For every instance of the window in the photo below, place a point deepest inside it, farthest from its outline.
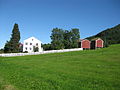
(36, 44)
(26, 48)
(30, 43)
(32, 39)
(30, 49)
(26, 43)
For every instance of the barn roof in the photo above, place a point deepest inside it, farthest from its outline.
(82, 40)
(96, 39)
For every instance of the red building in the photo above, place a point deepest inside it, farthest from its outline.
(97, 43)
(84, 43)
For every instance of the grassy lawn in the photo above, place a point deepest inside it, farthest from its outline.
(80, 70)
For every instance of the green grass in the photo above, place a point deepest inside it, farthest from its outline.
(80, 70)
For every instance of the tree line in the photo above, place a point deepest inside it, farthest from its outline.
(60, 39)
(63, 39)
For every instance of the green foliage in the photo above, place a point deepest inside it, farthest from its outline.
(110, 36)
(47, 46)
(7, 47)
(12, 46)
(64, 39)
(75, 37)
(67, 39)
(80, 70)
(35, 49)
(57, 38)
(1, 50)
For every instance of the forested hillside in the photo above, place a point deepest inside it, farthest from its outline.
(110, 36)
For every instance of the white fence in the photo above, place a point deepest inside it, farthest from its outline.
(36, 53)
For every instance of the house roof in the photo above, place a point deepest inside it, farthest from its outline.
(32, 38)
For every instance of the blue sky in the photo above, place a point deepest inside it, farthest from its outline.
(38, 17)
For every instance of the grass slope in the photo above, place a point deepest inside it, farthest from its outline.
(81, 70)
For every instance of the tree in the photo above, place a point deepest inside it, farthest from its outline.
(1, 50)
(13, 45)
(75, 37)
(47, 46)
(67, 39)
(7, 47)
(57, 39)
(64, 39)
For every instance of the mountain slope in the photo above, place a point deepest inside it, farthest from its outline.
(110, 36)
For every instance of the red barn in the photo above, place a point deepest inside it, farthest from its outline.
(84, 43)
(97, 43)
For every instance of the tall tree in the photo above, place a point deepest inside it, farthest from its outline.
(57, 39)
(67, 39)
(64, 39)
(13, 45)
(75, 37)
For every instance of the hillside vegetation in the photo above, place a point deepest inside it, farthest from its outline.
(80, 70)
(110, 36)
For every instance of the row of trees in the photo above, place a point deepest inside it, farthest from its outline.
(63, 39)
(12, 46)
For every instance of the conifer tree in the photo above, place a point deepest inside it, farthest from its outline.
(13, 45)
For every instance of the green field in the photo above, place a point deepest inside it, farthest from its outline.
(80, 70)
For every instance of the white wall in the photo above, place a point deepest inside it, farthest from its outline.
(29, 43)
(43, 52)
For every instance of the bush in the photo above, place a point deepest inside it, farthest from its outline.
(1, 50)
(25, 52)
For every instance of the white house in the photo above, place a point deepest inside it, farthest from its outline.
(32, 45)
